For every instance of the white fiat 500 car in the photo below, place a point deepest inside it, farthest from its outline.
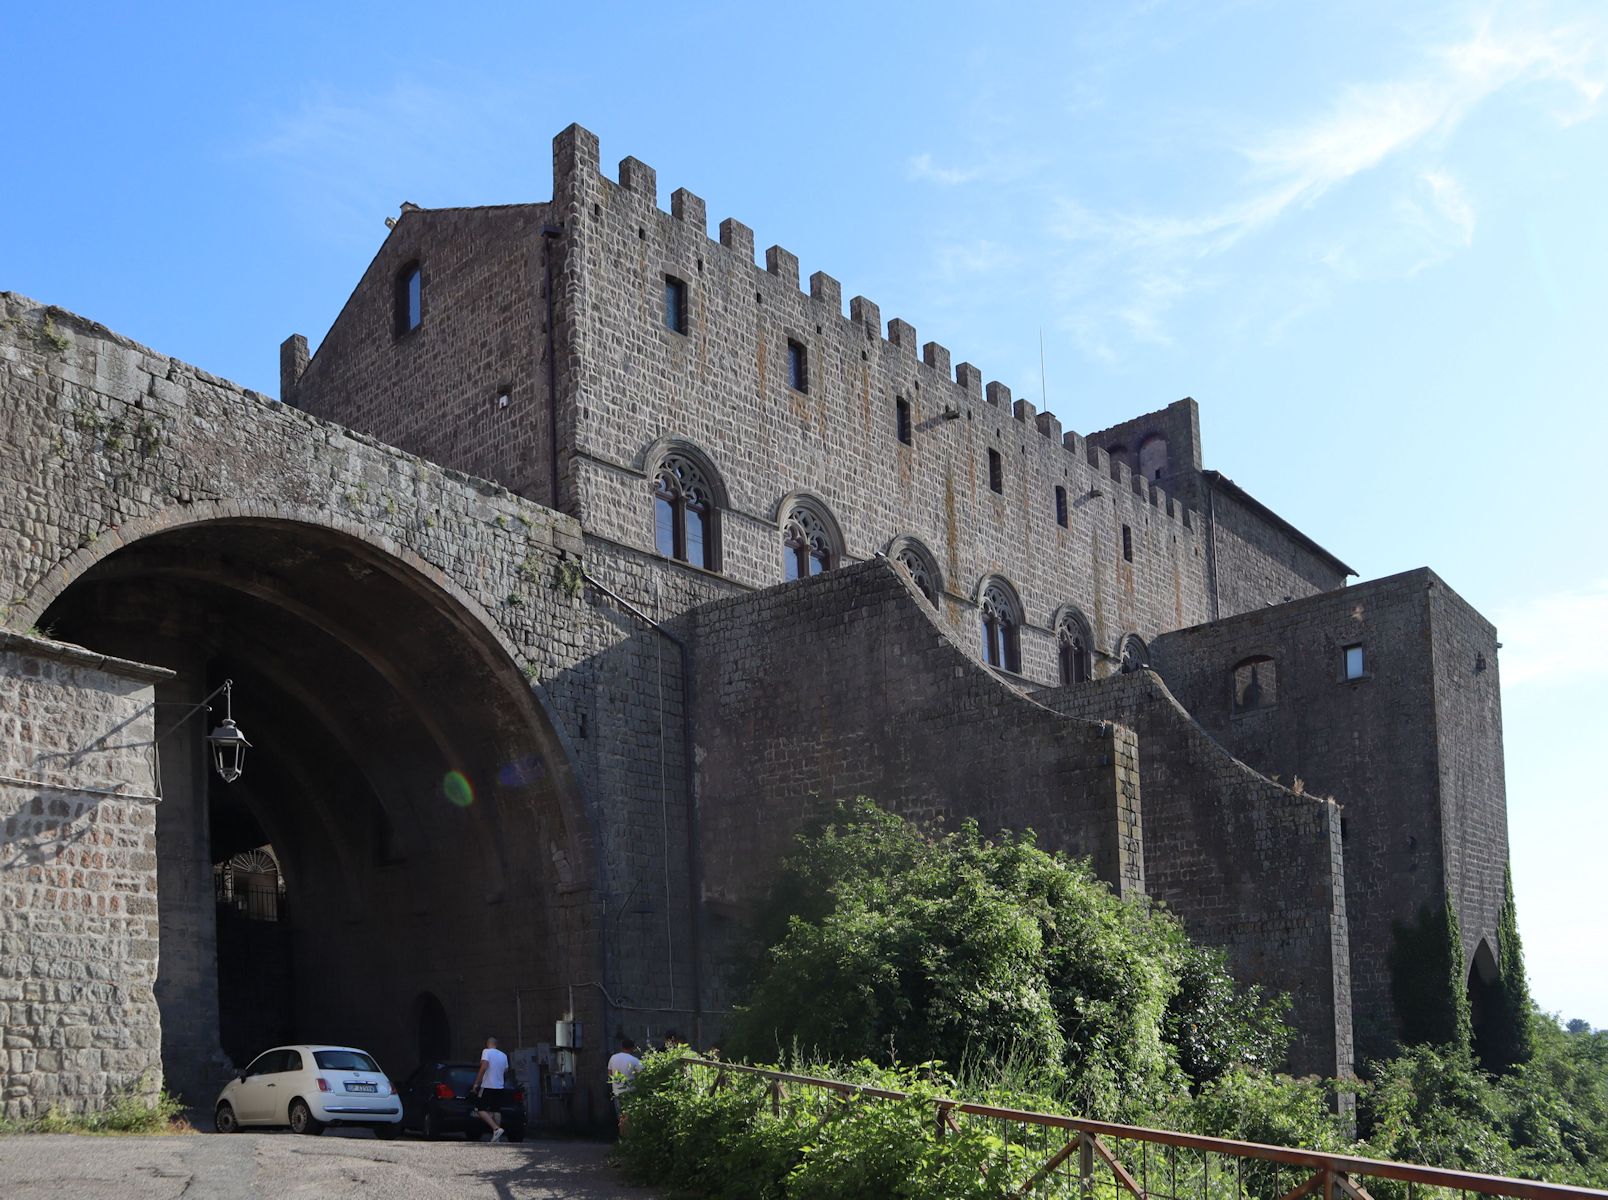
(309, 1088)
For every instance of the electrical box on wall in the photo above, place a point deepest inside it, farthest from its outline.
(567, 1035)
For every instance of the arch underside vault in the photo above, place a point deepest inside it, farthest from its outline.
(418, 801)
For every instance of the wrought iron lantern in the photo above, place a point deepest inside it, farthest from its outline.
(229, 745)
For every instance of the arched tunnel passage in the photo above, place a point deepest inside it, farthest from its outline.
(415, 796)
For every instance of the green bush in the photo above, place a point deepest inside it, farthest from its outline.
(885, 941)
(1217, 1026)
(730, 1141)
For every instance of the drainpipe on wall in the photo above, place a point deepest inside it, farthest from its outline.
(550, 234)
(694, 840)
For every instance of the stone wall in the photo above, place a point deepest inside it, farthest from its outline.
(1132, 555)
(843, 685)
(1256, 561)
(1411, 750)
(629, 382)
(1171, 436)
(1247, 864)
(468, 387)
(113, 450)
(1253, 557)
(1468, 751)
(78, 889)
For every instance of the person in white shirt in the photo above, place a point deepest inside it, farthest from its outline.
(488, 1088)
(623, 1064)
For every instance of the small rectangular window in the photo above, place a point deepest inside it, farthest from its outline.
(901, 413)
(1127, 543)
(1060, 506)
(798, 366)
(675, 304)
(996, 472)
(409, 299)
(1354, 662)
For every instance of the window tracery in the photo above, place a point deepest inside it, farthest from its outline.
(1002, 638)
(807, 544)
(1074, 646)
(684, 511)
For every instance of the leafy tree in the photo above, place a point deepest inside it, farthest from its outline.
(1432, 1105)
(1217, 1026)
(886, 941)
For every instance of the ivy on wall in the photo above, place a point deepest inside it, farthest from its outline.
(1507, 1039)
(1426, 979)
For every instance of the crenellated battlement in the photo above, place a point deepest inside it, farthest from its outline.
(777, 282)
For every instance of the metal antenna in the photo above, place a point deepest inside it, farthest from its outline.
(1044, 389)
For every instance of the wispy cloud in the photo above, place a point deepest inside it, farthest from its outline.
(1453, 204)
(349, 156)
(1152, 261)
(1552, 638)
(922, 167)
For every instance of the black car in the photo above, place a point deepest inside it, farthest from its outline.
(436, 1101)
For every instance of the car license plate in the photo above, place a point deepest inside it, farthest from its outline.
(360, 1087)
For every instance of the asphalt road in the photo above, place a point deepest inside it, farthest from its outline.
(282, 1166)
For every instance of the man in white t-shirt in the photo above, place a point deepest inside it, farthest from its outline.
(488, 1088)
(623, 1064)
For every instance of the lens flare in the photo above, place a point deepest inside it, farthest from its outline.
(522, 772)
(458, 790)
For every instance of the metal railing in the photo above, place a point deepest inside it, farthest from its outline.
(255, 902)
(1073, 1157)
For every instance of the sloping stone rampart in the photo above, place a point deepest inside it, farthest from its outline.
(1247, 864)
(845, 685)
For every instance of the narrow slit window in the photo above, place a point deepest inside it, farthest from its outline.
(1060, 506)
(675, 304)
(996, 472)
(798, 366)
(1127, 543)
(901, 416)
(409, 299)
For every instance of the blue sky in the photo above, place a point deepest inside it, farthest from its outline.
(1369, 238)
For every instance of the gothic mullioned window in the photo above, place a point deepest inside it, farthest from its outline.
(684, 512)
(1074, 648)
(1002, 629)
(1133, 652)
(917, 562)
(807, 544)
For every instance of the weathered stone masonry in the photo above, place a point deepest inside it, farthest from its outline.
(78, 888)
(512, 754)
(1249, 865)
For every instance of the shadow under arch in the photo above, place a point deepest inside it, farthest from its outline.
(434, 834)
(1485, 1006)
